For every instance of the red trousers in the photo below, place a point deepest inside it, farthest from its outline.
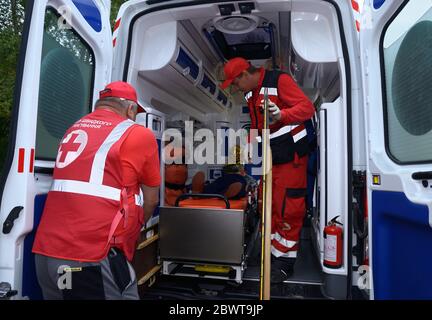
(288, 206)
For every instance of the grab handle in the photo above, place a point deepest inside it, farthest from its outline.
(422, 175)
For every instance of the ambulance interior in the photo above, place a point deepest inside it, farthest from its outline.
(175, 59)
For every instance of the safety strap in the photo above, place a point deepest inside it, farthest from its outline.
(123, 211)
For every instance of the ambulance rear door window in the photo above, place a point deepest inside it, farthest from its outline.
(407, 52)
(66, 84)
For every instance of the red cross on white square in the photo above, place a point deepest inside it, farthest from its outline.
(71, 147)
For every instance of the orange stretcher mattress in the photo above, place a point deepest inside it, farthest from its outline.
(212, 203)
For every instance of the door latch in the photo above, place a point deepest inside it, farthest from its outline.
(10, 220)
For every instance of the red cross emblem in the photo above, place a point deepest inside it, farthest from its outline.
(71, 147)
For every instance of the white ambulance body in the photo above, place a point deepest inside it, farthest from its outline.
(371, 90)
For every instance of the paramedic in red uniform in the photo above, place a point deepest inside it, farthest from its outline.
(105, 187)
(289, 109)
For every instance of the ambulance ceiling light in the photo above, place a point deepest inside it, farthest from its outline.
(236, 24)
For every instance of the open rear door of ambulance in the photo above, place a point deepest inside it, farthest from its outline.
(396, 51)
(66, 58)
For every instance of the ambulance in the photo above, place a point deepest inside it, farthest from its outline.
(365, 65)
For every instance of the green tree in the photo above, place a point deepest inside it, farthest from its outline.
(115, 6)
(11, 23)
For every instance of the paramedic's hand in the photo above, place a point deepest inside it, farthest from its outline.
(274, 110)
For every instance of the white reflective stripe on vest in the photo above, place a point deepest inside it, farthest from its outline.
(278, 254)
(271, 91)
(98, 167)
(300, 135)
(248, 95)
(89, 189)
(284, 242)
(282, 131)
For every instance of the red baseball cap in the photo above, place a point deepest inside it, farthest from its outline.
(232, 69)
(122, 90)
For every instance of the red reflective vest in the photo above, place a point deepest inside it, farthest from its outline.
(87, 209)
(286, 141)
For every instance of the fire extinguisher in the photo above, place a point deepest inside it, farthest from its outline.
(333, 252)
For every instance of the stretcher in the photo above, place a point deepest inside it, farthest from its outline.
(205, 235)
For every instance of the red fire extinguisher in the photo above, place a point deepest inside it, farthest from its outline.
(333, 252)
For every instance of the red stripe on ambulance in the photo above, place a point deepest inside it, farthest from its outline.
(116, 26)
(32, 153)
(355, 5)
(21, 154)
(357, 13)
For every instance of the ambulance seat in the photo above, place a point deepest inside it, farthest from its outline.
(175, 179)
(176, 174)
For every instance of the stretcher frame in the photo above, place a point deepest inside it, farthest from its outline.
(178, 265)
(171, 267)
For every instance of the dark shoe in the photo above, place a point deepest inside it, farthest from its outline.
(281, 269)
(279, 276)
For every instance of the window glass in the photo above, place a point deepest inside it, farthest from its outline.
(407, 51)
(66, 84)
